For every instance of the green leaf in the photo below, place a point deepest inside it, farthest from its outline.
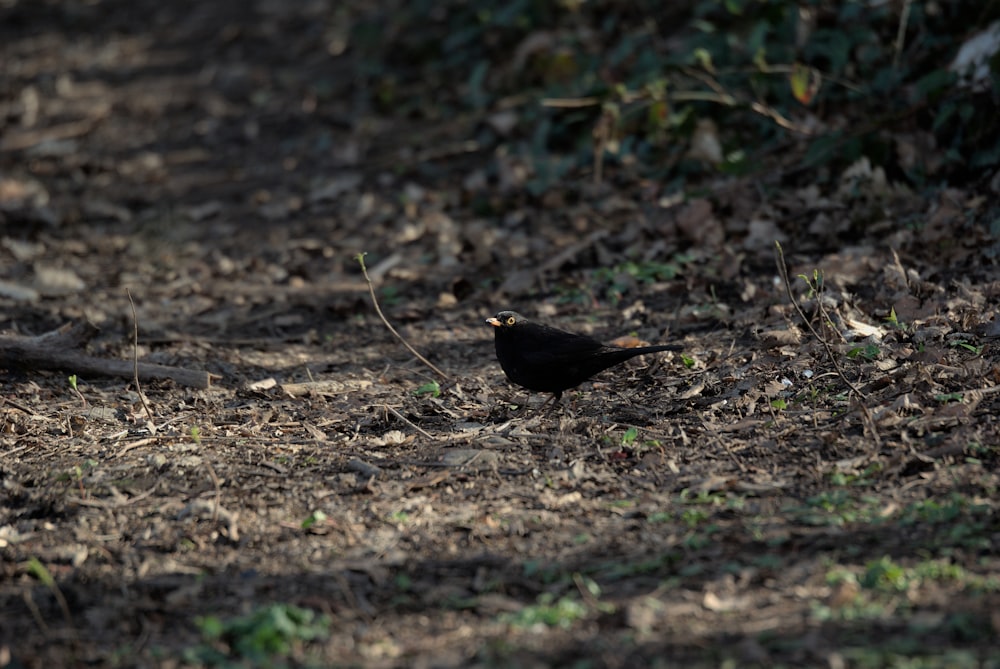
(804, 82)
(968, 347)
(704, 58)
(431, 387)
(313, 518)
(41, 572)
(869, 352)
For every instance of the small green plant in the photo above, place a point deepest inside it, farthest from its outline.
(548, 611)
(693, 517)
(432, 388)
(971, 348)
(687, 360)
(868, 352)
(258, 638)
(838, 507)
(41, 572)
(403, 582)
(196, 434)
(935, 511)
(73, 384)
(863, 478)
(616, 280)
(314, 518)
(702, 538)
(651, 272)
(648, 445)
(814, 283)
(980, 450)
(628, 439)
(705, 497)
(892, 320)
(398, 517)
(77, 474)
(885, 575)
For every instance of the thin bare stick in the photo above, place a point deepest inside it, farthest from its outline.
(868, 421)
(14, 404)
(371, 289)
(41, 572)
(779, 259)
(410, 423)
(135, 361)
(59, 349)
(35, 612)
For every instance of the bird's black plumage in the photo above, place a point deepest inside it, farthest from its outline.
(546, 359)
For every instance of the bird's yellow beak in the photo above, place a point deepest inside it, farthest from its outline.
(494, 322)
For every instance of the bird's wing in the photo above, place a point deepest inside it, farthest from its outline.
(552, 346)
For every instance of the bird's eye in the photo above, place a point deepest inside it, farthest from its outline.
(510, 320)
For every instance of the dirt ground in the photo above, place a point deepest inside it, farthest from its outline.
(771, 496)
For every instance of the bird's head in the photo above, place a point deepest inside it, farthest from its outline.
(506, 319)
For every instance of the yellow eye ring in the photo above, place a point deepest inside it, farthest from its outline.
(510, 320)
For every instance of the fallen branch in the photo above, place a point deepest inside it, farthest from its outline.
(59, 350)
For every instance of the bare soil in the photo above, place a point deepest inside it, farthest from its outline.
(774, 496)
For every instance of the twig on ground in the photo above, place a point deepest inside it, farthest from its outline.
(371, 289)
(410, 423)
(871, 426)
(783, 273)
(135, 362)
(729, 451)
(41, 572)
(58, 350)
(21, 407)
(76, 389)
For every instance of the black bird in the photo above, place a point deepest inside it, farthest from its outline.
(548, 360)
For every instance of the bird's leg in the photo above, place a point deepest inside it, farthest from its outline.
(554, 400)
